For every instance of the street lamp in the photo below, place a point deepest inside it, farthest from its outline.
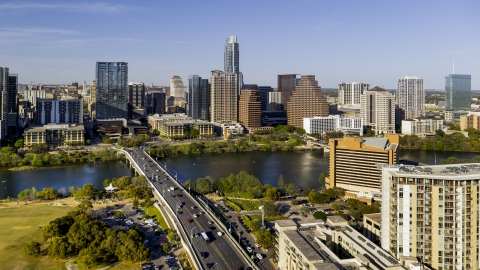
(191, 232)
(263, 215)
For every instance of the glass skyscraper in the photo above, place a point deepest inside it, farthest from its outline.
(198, 98)
(111, 90)
(458, 92)
(232, 55)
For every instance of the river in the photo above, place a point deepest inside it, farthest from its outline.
(300, 167)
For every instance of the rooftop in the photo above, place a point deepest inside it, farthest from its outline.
(377, 217)
(470, 171)
(336, 219)
(303, 246)
(325, 266)
(285, 223)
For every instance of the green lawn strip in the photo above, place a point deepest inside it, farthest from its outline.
(247, 204)
(184, 262)
(157, 216)
(20, 225)
(267, 218)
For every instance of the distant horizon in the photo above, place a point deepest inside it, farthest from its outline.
(350, 41)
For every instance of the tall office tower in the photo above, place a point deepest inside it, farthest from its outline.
(286, 84)
(3, 102)
(111, 90)
(458, 92)
(411, 97)
(32, 95)
(198, 98)
(155, 102)
(353, 161)
(231, 56)
(432, 213)
(223, 96)
(377, 109)
(136, 97)
(12, 102)
(349, 93)
(250, 108)
(264, 91)
(68, 111)
(275, 101)
(306, 101)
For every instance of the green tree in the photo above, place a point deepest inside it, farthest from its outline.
(204, 185)
(19, 143)
(32, 248)
(265, 238)
(85, 206)
(135, 203)
(48, 193)
(270, 209)
(106, 140)
(60, 248)
(281, 182)
(106, 182)
(320, 215)
(322, 178)
(272, 194)
(336, 206)
(24, 195)
(292, 189)
(165, 248)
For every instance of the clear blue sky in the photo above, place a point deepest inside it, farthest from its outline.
(337, 41)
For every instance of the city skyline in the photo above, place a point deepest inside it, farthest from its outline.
(320, 42)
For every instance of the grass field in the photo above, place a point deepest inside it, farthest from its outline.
(248, 204)
(20, 225)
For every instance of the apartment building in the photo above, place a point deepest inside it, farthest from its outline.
(250, 108)
(421, 126)
(59, 111)
(306, 101)
(432, 213)
(349, 93)
(372, 224)
(377, 109)
(320, 125)
(470, 120)
(353, 161)
(223, 96)
(55, 135)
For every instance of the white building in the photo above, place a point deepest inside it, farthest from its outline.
(411, 97)
(32, 95)
(320, 125)
(349, 93)
(421, 126)
(377, 110)
(59, 111)
(177, 91)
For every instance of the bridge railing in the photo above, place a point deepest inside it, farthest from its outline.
(183, 235)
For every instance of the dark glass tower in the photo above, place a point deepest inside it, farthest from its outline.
(198, 98)
(458, 92)
(232, 55)
(111, 90)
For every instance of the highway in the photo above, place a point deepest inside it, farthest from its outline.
(220, 252)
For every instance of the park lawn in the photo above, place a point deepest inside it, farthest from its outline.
(21, 224)
(125, 266)
(267, 218)
(248, 204)
(155, 213)
(235, 194)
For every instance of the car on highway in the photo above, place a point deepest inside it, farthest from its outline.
(219, 233)
(195, 215)
(259, 256)
(168, 257)
(172, 188)
(210, 222)
(189, 220)
(249, 249)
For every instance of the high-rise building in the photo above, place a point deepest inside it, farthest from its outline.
(32, 95)
(286, 85)
(12, 101)
(3, 102)
(319, 125)
(231, 56)
(68, 111)
(349, 93)
(377, 109)
(223, 96)
(306, 101)
(411, 97)
(249, 108)
(111, 96)
(264, 91)
(275, 101)
(353, 161)
(198, 98)
(136, 98)
(471, 120)
(432, 213)
(458, 92)
(155, 101)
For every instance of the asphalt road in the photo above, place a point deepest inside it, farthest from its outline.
(222, 254)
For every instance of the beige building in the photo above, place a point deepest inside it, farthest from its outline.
(313, 245)
(421, 126)
(175, 125)
(306, 101)
(223, 96)
(471, 120)
(432, 212)
(377, 109)
(353, 161)
(250, 108)
(55, 135)
(371, 227)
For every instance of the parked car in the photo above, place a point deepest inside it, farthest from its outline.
(258, 245)
(189, 220)
(209, 222)
(259, 256)
(249, 249)
(195, 215)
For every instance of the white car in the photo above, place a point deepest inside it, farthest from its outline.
(193, 207)
(219, 233)
(258, 245)
(259, 256)
(249, 249)
(209, 222)
(195, 215)
(172, 188)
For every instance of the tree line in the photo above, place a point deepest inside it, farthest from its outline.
(444, 142)
(92, 241)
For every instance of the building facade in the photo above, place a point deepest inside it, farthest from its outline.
(264, 93)
(320, 125)
(155, 101)
(59, 111)
(458, 92)
(250, 108)
(32, 95)
(198, 98)
(286, 84)
(306, 101)
(55, 135)
(223, 96)
(377, 109)
(421, 126)
(431, 213)
(411, 97)
(353, 161)
(275, 101)
(349, 93)
(111, 91)
(471, 120)
(136, 98)
(231, 56)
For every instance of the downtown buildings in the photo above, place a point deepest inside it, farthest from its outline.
(377, 110)
(411, 97)
(458, 92)
(349, 93)
(198, 98)
(8, 103)
(111, 91)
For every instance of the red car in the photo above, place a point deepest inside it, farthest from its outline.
(238, 217)
(189, 220)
